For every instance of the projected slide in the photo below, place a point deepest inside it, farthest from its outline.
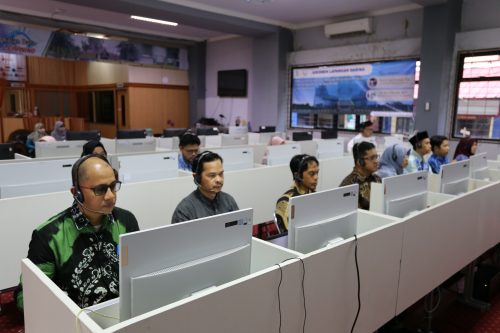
(354, 89)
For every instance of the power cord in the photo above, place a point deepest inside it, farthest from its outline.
(77, 327)
(359, 282)
(303, 292)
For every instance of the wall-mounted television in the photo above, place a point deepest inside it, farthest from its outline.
(232, 83)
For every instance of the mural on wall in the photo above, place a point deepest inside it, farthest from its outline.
(65, 45)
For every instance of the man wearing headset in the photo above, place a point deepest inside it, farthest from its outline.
(189, 144)
(78, 248)
(305, 171)
(421, 147)
(208, 199)
(365, 165)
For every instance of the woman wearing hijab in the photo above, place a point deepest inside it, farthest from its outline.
(465, 149)
(36, 135)
(59, 132)
(94, 147)
(393, 161)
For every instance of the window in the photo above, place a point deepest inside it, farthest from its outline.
(477, 102)
(343, 96)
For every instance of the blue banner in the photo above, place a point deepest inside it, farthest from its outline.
(354, 89)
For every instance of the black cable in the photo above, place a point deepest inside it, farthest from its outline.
(303, 292)
(359, 282)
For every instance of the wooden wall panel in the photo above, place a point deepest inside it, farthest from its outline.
(48, 71)
(155, 107)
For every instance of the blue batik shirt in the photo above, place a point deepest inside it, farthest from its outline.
(436, 161)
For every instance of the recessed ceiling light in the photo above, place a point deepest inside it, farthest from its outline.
(152, 20)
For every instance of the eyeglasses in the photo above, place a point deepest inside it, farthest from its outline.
(372, 158)
(101, 189)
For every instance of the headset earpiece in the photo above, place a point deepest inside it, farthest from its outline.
(361, 162)
(418, 144)
(197, 171)
(78, 195)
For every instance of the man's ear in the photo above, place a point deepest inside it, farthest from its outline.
(72, 190)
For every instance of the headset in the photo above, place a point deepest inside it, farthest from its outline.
(355, 150)
(78, 195)
(303, 163)
(196, 165)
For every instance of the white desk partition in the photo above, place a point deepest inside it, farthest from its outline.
(109, 145)
(309, 147)
(124, 146)
(219, 310)
(238, 130)
(21, 157)
(445, 238)
(212, 141)
(171, 143)
(236, 158)
(145, 167)
(330, 148)
(59, 148)
(263, 138)
(333, 170)
(234, 139)
(282, 154)
(494, 164)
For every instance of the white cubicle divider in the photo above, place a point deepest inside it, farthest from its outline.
(236, 158)
(21, 157)
(234, 139)
(146, 166)
(454, 178)
(494, 164)
(17, 158)
(238, 130)
(332, 171)
(215, 310)
(35, 177)
(309, 147)
(282, 154)
(212, 141)
(330, 148)
(479, 166)
(445, 238)
(171, 143)
(59, 148)
(109, 145)
(124, 146)
(263, 138)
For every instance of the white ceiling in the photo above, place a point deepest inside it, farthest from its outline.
(205, 19)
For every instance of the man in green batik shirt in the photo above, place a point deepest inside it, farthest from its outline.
(78, 248)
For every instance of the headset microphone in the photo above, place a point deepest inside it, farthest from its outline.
(86, 208)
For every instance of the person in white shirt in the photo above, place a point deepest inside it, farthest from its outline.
(365, 135)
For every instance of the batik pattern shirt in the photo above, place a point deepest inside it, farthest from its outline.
(281, 212)
(364, 186)
(436, 161)
(81, 260)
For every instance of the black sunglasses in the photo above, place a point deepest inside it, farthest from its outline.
(101, 189)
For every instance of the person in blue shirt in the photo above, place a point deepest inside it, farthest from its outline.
(421, 146)
(393, 161)
(189, 145)
(440, 147)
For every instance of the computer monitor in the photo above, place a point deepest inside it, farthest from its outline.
(131, 134)
(173, 132)
(479, 166)
(7, 151)
(322, 218)
(267, 129)
(207, 131)
(163, 265)
(405, 194)
(455, 177)
(329, 134)
(302, 136)
(83, 135)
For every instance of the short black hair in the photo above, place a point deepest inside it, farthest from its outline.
(365, 124)
(89, 147)
(300, 163)
(188, 138)
(202, 158)
(359, 150)
(437, 140)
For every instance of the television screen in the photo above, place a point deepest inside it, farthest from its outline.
(232, 83)
(366, 88)
(302, 136)
(83, 135)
